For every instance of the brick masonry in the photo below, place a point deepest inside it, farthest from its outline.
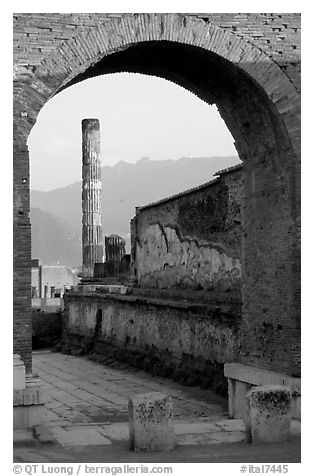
(249, 66)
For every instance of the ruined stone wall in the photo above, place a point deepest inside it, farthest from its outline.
(192, 240)
(249, 66)
(188, 342)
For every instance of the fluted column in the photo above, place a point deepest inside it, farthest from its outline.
(92, 240)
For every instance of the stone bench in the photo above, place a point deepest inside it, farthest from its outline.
(268, 414)
(151, 422)
(241, 378)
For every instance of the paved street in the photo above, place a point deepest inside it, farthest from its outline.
(87, 412)
(82, 391)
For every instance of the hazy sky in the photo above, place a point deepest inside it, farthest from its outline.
(139, 116)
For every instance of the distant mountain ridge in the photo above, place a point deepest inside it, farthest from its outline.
(54, 241)
(124, 187)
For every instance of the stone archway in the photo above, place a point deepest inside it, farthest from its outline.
(260, 105)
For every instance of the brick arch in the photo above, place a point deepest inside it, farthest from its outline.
(74, 56)
(261, 109)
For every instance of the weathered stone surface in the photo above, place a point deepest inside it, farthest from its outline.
(42, 434)
(23, 436)
(92, 239)
(259, 376)
(27, 416)
(79, 436)
(115, 289)
(184, 340)
(29, 403)
(242, 377)
(191, 240)
(18, 373)
(268, 418)
(150, 422)
(231, 425)
(28, 396)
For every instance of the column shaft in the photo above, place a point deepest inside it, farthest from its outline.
(92, 240)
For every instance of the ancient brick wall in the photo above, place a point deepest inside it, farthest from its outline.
(249, 66)
(278, 34)
(188, 342)
(22, 327)
(192, 240)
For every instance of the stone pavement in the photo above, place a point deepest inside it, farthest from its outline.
(87, 411)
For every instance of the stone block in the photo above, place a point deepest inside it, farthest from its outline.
(268, 415)
(27, 416)
(33, 394)
(43, 435)
(151, 422)
(23, 436)
(28, 404)
(231, 397)
(239, 406)
(119, 289)
(18, 397)
(35, 415)
(296, 406)
(18, 372)
(20, 420)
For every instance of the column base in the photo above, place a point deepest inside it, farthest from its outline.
(29, 401)
(241, 378)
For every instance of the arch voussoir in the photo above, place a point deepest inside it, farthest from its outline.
(80, 49)
(75, 55)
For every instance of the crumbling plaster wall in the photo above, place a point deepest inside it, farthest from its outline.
(169, 336)
(191, 240)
